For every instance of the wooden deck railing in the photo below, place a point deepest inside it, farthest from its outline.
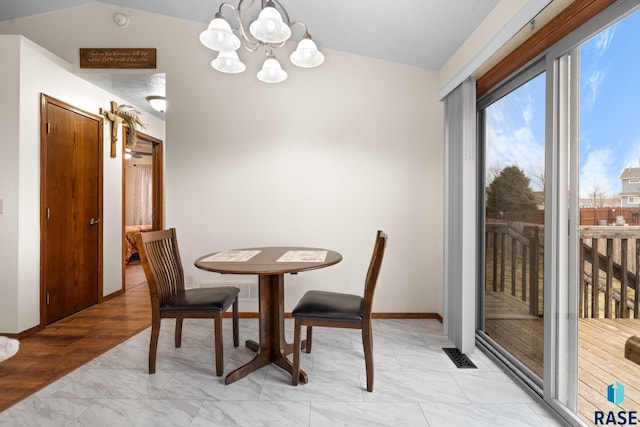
(616, 269)
(515, 259)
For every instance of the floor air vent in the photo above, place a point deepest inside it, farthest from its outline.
(459, 359)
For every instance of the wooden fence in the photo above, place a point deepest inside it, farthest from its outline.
(588, 216)
(609, 216)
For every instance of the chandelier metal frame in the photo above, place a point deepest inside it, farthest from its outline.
(220, 36)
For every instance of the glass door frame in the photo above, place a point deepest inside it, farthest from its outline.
(558, 389)
(523, 372)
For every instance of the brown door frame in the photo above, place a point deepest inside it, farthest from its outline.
(157, 170)
(45, 100)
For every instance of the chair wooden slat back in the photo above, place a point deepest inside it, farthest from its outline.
(160, 258)
(374, 271)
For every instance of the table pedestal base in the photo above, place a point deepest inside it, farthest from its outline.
(272, 347)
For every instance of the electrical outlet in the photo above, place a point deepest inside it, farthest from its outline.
(1, 206)
(191, 281)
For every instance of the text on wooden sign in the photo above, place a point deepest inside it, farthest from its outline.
(118, 58)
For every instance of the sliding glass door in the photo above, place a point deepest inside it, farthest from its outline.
(513, 184)
(559, 184)
(609, 220)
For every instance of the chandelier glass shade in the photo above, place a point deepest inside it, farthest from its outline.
(228, 62)
(307, 54)
(269, 27)
(218, 36)
(271, 71)
(270, 30)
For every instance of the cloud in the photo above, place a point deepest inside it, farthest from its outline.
(511, 138)
(527, 112)
(594, 76)
(602, 41)
(632, 155)
(591, 83)
(597, 173)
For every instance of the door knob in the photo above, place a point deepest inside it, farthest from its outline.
(94, 221)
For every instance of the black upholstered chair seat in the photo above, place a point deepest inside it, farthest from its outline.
(160, 258)
(335, 310)
(214, 299)
(329, 306)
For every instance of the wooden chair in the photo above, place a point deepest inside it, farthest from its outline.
(330, 309)
(169, 299)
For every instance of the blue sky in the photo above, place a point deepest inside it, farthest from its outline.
(609, 114)
(515, 132)
(610, 106)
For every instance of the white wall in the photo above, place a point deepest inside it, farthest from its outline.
(324, 159)
(39, 71)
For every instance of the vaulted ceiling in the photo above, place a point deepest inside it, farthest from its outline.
(421, 33)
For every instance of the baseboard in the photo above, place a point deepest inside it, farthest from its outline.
(111, 296)
(407, 316)
(23, 334)
(254, 315)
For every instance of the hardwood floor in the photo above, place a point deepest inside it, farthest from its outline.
(75, 340)
(601, 358)
(602, 362)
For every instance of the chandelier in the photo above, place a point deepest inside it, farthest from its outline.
(269, 31)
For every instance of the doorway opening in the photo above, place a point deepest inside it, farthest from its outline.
(142, 199)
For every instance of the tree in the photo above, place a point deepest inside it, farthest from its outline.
(597, 195)
(537, 179)
(510, 191)
(493, 171)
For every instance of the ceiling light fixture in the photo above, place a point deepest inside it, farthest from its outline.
(158, 103)
(268, 31)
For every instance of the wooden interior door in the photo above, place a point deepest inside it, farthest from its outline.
(71, 196)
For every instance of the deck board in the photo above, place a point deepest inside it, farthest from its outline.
(601, 353)
(602, 361)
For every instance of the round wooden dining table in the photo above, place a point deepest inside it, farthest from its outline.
(270, 264)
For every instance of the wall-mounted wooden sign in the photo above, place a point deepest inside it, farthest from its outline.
(118, 58)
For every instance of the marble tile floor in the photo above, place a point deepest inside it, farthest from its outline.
(416, 384)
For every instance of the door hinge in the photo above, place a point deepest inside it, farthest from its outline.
(48, 127)
(47, 298)
(48, 213)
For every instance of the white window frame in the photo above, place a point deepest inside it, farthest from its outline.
(633, 200)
